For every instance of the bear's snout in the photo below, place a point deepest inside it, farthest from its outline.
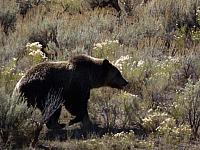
(125, 83)
(122, 83)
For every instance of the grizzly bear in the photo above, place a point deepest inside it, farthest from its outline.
(73, 80)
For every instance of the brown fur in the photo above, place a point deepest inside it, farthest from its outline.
(75, 77)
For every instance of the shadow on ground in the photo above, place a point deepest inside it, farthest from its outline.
(80, 133)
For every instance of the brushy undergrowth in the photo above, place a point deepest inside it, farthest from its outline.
(16, 125)
(154, 43)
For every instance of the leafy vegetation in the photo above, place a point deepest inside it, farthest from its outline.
(154, 43)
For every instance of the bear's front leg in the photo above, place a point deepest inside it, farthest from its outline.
(77, 105)
(53, 121)
(84, 119)
(79, 111)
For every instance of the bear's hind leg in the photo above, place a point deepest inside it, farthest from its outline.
(53, 121)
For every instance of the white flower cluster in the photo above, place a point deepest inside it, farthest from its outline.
(166, 125)
(169, 126)
(124, 134)
(153, 120)
(106, 42)
(155, 115)
(33, 46)
(37, 52)
(119, 63)
(140, 63)
(122, 59)
(131, 95)
(35, 49)
(173, 59)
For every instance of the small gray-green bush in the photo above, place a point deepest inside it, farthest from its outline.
(14, 118)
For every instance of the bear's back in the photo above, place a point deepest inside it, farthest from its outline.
(45, 73)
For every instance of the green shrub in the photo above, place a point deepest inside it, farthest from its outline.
(115, 109)
(8, 11)
(107, 49)
(173, 133)
(79, 33)
(15, 121)
(35, 54)
(72, 6)
(145, 46)
(187, 104)
(9, 76)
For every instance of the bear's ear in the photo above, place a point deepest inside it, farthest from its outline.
(105, 62)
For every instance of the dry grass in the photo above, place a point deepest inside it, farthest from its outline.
(159, 40)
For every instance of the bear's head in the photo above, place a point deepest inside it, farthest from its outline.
(113, 77)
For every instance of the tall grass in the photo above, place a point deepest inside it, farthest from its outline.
(155, 46)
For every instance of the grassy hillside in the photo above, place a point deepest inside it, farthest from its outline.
(154, 43)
